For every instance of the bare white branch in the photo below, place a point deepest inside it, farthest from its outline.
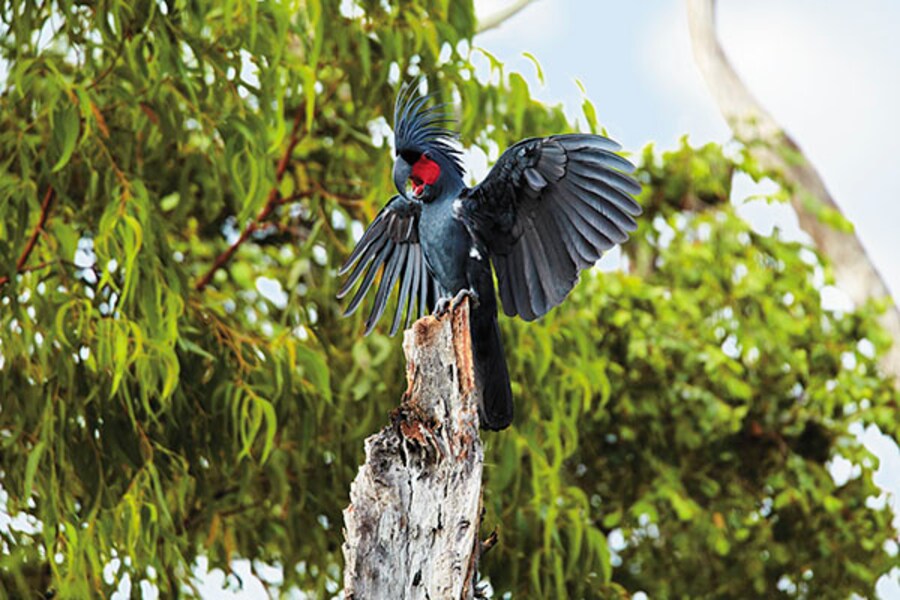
(502, 15)
(776, 152)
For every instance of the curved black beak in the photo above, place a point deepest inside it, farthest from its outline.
(402, 171)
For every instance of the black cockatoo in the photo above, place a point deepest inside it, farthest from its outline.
(547, 209)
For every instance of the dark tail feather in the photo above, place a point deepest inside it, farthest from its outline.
(496, 410)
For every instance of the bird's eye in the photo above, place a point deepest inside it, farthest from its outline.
(410, 157)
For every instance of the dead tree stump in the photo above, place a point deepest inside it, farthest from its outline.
(411, 530)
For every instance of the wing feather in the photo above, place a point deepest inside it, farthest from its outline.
(548, 209)
(367, 281)
(579, 248)
(565, 273)
(537, 302)
(424, 286)
(371, 252)
(369, 237)
(612, 178)
(389, 247)
(519, 280)
(507, 300)
(410, 295)
(388, 281)
(605, 159)
(586, 141)
(551, 279)
(592, 216)
(613, 196)
(598, 243)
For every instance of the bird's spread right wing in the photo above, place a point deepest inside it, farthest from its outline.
(391, 245)
(549, 208)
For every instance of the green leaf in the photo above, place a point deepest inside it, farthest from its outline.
(537, 66)
(612, 520)
(169, 201)
(315, 369)
(34, 459)
(270, 421)
(598, 543)
(66, 126)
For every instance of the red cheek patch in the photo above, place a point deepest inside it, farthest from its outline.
(426, 170)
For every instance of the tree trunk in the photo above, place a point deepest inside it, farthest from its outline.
(776, 152)
(411, 530)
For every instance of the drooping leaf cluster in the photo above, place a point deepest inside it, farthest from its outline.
(688, 408)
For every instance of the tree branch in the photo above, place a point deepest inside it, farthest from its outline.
(411, 530)
(775, 151)
(501, 16)
(272, 201)
(29, 246)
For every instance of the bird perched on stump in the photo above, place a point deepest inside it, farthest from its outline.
(549, 208)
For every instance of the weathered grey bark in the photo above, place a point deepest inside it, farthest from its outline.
(411, 530)
(776, 152)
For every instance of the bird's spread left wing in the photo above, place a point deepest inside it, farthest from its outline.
(391, 242)
(549, 208)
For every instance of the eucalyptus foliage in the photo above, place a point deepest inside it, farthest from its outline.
(686, 409)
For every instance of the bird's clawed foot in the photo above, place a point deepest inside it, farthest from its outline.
(469, 293)
(441, 307)
(446, 304)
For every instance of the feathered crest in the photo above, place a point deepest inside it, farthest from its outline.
(421, 129)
